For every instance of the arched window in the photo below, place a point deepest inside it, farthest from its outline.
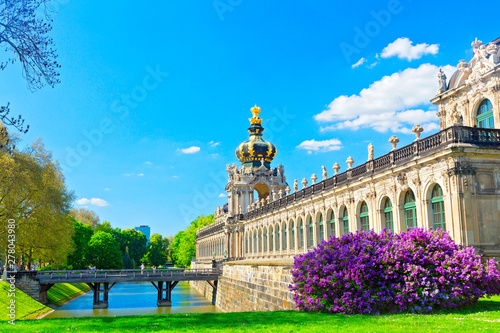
(271, 239)
(265, 240)
(311, 232)
(485, 115)
(345, 221)
(285, 240)
(388, 214)
(321, 228)
(437, 203)
(260, 241)
(292, 235)
(363, 217)
(301, 234)
(277, 237)
(331, 218)
(254, 250)
(410, 210)
(246, 244)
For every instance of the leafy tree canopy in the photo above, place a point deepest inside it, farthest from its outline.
(81, 238)
(103, 251)
(157, 250)
(33, 193)
(85, 216)
(183, 246)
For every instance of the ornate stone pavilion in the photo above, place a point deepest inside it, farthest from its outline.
(449, 180)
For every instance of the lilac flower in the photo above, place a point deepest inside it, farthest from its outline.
(416, 271)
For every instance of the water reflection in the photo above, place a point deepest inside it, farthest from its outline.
(138, 298)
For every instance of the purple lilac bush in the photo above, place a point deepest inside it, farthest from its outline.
(415, 271)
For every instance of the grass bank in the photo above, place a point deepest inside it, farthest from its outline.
(484, 316)
(61, 293)
(25, 306)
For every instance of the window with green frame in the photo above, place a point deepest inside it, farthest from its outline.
(271, 239)
(292, 235)
(437, 203)
(277, 238)
(332, 224)
(485, 115)
(363, 217)
(260, 241)
(265, 241)
(410, 210)
(389, 225)
(345, 221)
(301, 234)
(321, 228)
(310, 243)
(285, 240)
(254, 242)
(246, 244)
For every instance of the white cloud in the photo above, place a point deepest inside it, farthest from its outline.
(359, 63)
(214, 155)
(320, 146)
(389, 103)
(106, 189)
(213, 143)
(373, 65)
(403, 48)
(128, 174)
(222, 195)
(148, 163)
(401, 122)
(175, 177)
(190, 150)
(140, 175)
(94, 201)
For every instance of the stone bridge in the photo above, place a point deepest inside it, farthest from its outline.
(36, 284)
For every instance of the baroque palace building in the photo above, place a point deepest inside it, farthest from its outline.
(449, 180)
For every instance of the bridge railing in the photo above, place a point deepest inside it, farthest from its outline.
(124, 273)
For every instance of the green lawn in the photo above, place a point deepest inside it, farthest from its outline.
(26, 307)
(60, 293)
(484, 316)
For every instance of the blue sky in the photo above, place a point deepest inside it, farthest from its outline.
(155, 96)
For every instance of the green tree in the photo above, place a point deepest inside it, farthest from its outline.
(104, 252)
(127, 262)
(81, 238)
(85, 216)
(33, 194)
(175, 248)
(105, 226)
(183, 247)
(157, 250)
(134, 240)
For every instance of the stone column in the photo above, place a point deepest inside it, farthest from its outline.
(338, 225)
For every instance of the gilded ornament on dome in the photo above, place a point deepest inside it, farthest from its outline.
(270, 150)
(255, 119)
(250, 148)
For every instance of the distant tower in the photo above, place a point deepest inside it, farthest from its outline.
(256, 173)
(145, 229)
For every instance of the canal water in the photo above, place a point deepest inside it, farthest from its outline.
(136, 298)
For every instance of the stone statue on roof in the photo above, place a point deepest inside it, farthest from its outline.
(441, 81)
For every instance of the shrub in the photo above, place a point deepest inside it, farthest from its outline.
(415, 271)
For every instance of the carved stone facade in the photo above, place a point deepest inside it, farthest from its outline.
(449, 180)
(470, 85)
